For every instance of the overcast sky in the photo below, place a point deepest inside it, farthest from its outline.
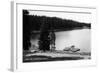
(81, 17)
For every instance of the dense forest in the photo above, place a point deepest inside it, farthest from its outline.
(44, 24)
(34, 22)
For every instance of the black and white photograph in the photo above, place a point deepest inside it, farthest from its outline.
(50, 35)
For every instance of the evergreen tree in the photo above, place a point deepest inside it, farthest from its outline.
(44, 43)
(26, 30)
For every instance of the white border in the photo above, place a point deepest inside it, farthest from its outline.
(18, 65)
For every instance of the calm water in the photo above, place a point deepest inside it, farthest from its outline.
(80, 38)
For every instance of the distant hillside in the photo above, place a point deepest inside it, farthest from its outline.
(34, 22)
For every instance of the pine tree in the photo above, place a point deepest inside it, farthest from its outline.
(44, 43)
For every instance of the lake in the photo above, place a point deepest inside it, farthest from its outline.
(81, 38)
